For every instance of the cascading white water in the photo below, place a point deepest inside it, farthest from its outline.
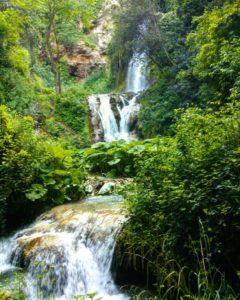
(68, 251)
(101, 107)
(136, 80)
(129, 107)
(5, 252)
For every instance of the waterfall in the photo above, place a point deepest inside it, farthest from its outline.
(102, 107)
(113, 118)
(136, 75)
(129, 107)
(68, 251)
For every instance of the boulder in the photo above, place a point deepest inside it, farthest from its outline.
(107, 188)
(89, 188)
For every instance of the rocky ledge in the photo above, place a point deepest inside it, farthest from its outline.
(85, 58)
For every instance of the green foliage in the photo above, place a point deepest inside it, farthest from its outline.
(158, 106)
(5, 295)
(189, 178)
(100, 81)
(71, 109)
(114, 159)
(184, 203)
(36, 36)
(216, 43)
(14, 62)
(12, 53)
(55, 26)
(198, 72)
(130, 15)
(90, 40)
(11, 286)
(16, 90)
(35, 172)
(88, 296)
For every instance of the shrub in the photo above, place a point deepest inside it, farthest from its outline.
(71, 109)
(100, 81)
(190, 178)
(35, 172)
(114, 159)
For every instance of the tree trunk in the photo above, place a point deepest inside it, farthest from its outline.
(53, 60)
(54, 66)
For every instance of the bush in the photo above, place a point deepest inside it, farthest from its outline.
(114, 159)
(157, 110)
(16, 90)
(35, 172)
(185, 180)
(100, 81)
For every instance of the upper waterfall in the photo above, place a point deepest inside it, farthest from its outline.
(136, 80)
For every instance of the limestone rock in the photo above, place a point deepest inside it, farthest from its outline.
(29, 246)
(89, 188)
(107, 188)
(83, 59)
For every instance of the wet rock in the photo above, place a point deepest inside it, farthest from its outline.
(133, 121)
(107, 188)
(95, 120)
(43, 256)
(75, 247)
(114, 101)
(97, 182)
(89, 189)
(28, 247)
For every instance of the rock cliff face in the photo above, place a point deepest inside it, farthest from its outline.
(83, 59)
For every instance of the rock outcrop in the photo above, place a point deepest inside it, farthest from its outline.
(85, 58)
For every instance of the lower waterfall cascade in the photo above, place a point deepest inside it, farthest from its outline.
(68, 251)
(114, 117)
(112, 121)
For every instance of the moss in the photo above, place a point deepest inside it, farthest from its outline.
(5, 295)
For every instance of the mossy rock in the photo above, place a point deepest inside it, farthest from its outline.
(5, 295)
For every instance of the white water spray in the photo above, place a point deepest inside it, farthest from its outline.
(137, 81)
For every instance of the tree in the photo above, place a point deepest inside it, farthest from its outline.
(215, 44)
(54, 23)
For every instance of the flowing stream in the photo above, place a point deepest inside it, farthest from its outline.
(113, 118)
(68, 251)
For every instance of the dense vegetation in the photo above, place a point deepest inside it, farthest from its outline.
(182, 236)
(38, 164)
(193, 49)
(183, 228)
(185, 208)
(36, 171)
